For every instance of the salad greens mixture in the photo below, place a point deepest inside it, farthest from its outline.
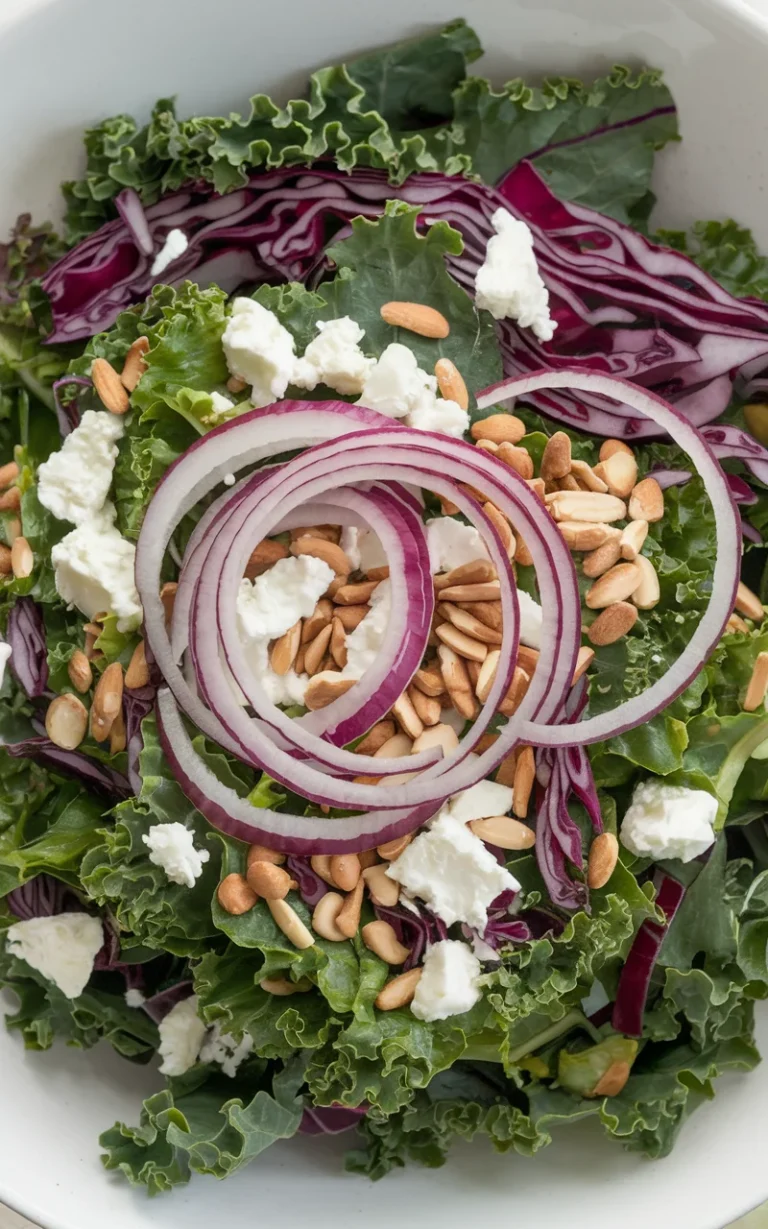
(357, 291)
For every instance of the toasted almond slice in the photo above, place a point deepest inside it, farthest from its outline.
(648, 591)
(407, 717)
(499, 428)
(315, 652)
(599, 561)
(603, 856)
(390, 851)
(758, 684)
(466, 621)
(118, 739)
(748, 603)
(429, 680)
(290, 923)
(263, 556)
(320, 618)
(615, 585)
(587, 476)
(137, 674)
(324, 917)
(486, 676)
(646, 503)
(505, 773)
(462, 644)
(22, 559)
(324, 688)
(330, 533)
(79, 671)
(350, 616)
(383, 890)
(398, 745)
(556, 458)
(518, 687)
(439, 735)
(355, 595)
(527, 659)
(619, 472)
(66, 721)
(632, 538)
(504, 831)
(8, 474)
(586, 535)
(584, 660)
(107, 701)
(5, 560)
(399, 991)
(283, 987)
(236, 384)
(321, 865)
(348, 917)
(568, 483)
(612, 1081)
(487, 446)
(586, 506)
(329, 552)
(735, 624)
(517, 458)
(457, 682)
(525, 774)
(381, 939)
(135, 364)
(477, 572)
(502, 527)
(609, 447)
(284, 649)
(109, 387)
(451, 382)
(488, 592)
(613, 622)
(339, 642)
(381, 573)
(416, 318)
(427, 707)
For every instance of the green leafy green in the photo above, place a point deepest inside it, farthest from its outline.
(725, 250)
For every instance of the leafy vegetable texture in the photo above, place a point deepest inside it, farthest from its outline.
(407, 108)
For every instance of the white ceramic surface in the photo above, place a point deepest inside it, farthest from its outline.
(63, 65)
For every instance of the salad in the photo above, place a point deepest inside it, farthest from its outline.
(384, 657)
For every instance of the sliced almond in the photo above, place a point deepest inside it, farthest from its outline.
(440, 735)
(615, 585)
(66, 721)
(107, 701)
(499, 428)
(283, 987)
(451, 383)
(586, 506)
(381, 573)
(477, 572)
(556, 458)
(22, 559)
(473, 670)
(611, 1083)
(504, 831)
(168, 598)
(486, 676)
(613, 622)
(584, 660)
(457, 682)
(5, 559)
(109, 387)
(586, 535)
(328, 552)
(345, 870)
(462, 644)
(758, 684)
(427, 707)
(118, 739)
(331, 533)
(10, 500)
(236, 384)
(399, 991)
(518, 687)
(568, 483)
(394, 748)
(489, 592)
(315, 652)
(376, 737)
(518, 459)
(590, 481)
(598, 561)
(284, 649)
(383, 890)
(603, 856)
(429, 680)
(487, 613)
(505, 773)
(263, 556)
(502, 527)
(348, 917)
(527, 659)
(416, 318)
(407, 717)
(609, 447)
(646, 503)
(339, 642)
(390, 851)
(735, 624)
(748, 603)
(79, 671)
(137, 674)
(381, 939)
(291, 924)
(487, 446)
(619, 472)
(648, 591)
(525, 775)
(350, 616)
(8, 474)
(12, 529)
(320, 618)
(135, 364)
(632, 538)
(324, 688)
(355, 595)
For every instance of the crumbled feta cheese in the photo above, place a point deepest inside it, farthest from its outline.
(182, 1034)
(221, 404)
(172, 847)
(94, 570)
(362, 548)
(5, 657)
(63, 948)
(451, 869)
(334, 358)
(531, 617)
(452, 543)
(229, 480)
(481, 801)
(668, 821)
(176, 244)
(448, 984)
(508, 283)
(439, 414)
(483, 950)
(134, 998)
(365, 641)
(259, 350)
(222, 1048)
(268, 606)
(74, 482)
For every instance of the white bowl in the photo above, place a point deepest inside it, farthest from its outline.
(65, 64)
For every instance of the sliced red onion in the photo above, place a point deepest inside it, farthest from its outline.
(96, 776)
(131, 210)
(68, 415)
(726, 570)
(635, 978)
(25, 633)
(331, 1119)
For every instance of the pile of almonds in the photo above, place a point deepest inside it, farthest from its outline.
(16, 557)
(67, 719)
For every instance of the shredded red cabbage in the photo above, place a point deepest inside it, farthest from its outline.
(25, 634)
(158, 1005)
(42, 896)
(96, 776)
(635, 979)
(68, 412)
(415, 928)
(331, 1119)
(311, 887)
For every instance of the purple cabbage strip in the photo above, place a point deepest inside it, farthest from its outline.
(311, 887)
(131, 210)
(42, 896)
(137, 703)
(416, 931)
(667, 478)
(158, 1006)
(330, 1119)
(25, 634)
(68, 415)
(73, 763)
(635, 979)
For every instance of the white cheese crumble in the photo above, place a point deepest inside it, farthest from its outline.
(448, 984)
(176, 244)
(5, 657)
(453, 872)
(334, 358)
(172, 847)
(63, 948)
(94, 570)
(364, 641)
(268, 606)
(363, 548)
(222, 1048)
(182, 1033)
(134, 997)
(229, 480)
(74, 482)
(481, 801)
(451, 543)
(508, 283)
(531, 618)
(668, 821)
(397, 387)
(259, 350)
(220, 405)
